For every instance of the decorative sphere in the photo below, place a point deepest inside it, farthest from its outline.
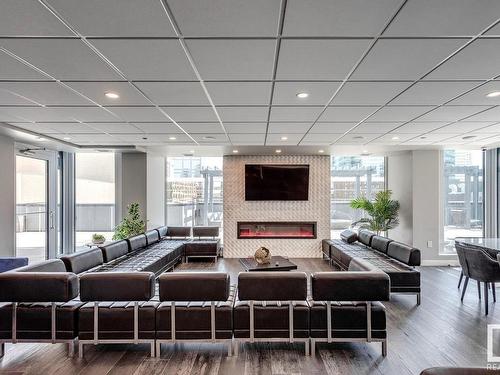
(262, 255)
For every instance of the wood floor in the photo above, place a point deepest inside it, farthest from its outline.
(440, 332)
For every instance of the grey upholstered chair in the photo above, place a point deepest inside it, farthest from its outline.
(480, 266)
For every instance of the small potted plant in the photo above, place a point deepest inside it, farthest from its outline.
(98, 239)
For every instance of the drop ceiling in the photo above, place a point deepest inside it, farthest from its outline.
(198, 73)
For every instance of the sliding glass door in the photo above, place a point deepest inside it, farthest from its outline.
(36, 215)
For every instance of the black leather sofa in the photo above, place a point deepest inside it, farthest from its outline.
(396, 259)
(47, 304)
(205, 243)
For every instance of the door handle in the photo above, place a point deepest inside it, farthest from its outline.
(52, 220)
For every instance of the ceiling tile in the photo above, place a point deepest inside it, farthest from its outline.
(478, 95)
(375, 127)
(419, 127)
(276, 139)
(408, 59)
(399, 113)
(461, 127)
(6, 115)
(45, 93)
(320, 93)
(492, 129)
(147, 59)
(357, 139)
(320, 139)
(432, 93)
(29, 18)
(97, 90)
(492, 114)
(190, 114)
(245, 128)
(158, 127)
(336, 17)
(247, 139)
(226, 17)
(243, 114)
(202, 128)
(174, 93)
(141, 114)
(59, 114)
(467, 65)
(346, 114)
(13, 69)
(116, 127)
(289, 128)
(318, 59)
(297, 114)
(452, 113)
(50, 128)
(444, 17)
(368, 93)
(429, 138)
(211, 138)
(392, 138)
(332, 127)
(233, 59)
(94, 139)
(115, 17)
(239, 93)
(8, 97)
(152, 138)
(75, 61)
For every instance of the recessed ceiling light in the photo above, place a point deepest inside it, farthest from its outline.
(235, 151)
(67, 138)
(209, 138)
(321, 151)
(112, 95)
(302, 95)
(41, 139)
(278, 151)
(284, 138)
(191, 151)
(365, 151)
(357, 137)
(172, 138)
(468, 137)
(395, 138)
(493, 94)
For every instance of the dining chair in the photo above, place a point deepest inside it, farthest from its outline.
(480, 266)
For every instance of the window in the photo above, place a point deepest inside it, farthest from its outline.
(352, 177)
(194, 191)
(94, 197)
(462, 196)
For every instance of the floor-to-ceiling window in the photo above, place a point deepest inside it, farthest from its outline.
(194, 191)
(352, 177)
(31, 208)
(462, 196)
(94, 196)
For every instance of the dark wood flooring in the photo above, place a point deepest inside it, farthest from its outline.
(440, 332)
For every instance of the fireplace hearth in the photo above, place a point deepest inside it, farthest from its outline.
(277, 229)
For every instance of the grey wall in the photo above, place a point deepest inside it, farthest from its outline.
(400, 181)
(131, 182)
(155, 190)
(7, 196)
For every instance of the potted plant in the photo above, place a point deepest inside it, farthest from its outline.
(383, 212)
(131, 225)
(98, 239)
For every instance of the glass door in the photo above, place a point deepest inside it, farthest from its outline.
(36, 206)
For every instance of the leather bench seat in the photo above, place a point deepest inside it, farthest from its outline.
(403, 277)
(116, 320)
(209, 248)
(271, 319)
(83, 261)
(34, 320)
(348, 320)
(154, 258)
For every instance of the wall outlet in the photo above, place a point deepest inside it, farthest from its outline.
(429, 244)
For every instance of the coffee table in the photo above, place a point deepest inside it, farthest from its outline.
(277, 264)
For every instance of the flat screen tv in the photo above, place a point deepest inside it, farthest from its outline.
(276, 182)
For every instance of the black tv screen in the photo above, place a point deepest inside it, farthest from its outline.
(276, 182)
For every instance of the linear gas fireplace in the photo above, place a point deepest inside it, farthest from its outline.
(277, 229)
